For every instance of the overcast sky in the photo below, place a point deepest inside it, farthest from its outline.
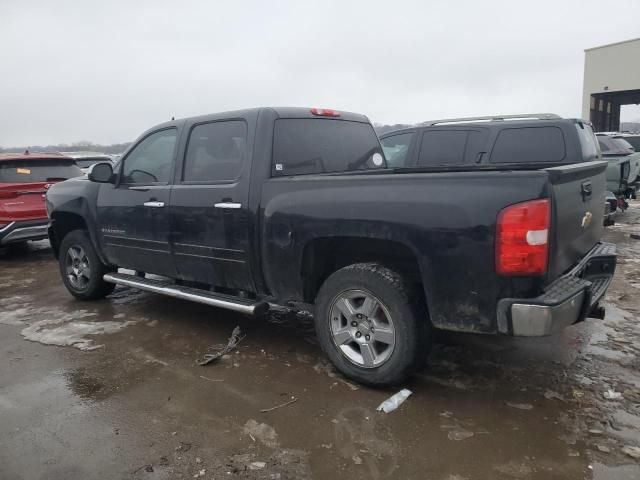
(105, 71)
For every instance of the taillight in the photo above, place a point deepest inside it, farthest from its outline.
(325, 112)
(522, 238)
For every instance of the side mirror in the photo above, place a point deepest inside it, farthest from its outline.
(101, 173)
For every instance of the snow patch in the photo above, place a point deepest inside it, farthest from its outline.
(54, 326)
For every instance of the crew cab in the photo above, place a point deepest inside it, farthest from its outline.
(24, 180)
(266, 208)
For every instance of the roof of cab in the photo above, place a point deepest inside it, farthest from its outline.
(498, 122)
(281, 112)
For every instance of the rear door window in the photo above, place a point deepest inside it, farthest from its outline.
(27, 171)
(313, 146)
(396, 149)
(529, 145)
(448, 147)
(215, 152)
(588, 142)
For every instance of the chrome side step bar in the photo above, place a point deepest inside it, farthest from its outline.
(237, 304)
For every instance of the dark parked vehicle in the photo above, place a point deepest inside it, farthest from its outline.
(624, 165)
(489, 143)
(24, 179)
(254, 209)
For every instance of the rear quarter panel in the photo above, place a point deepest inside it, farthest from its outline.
(446, 219)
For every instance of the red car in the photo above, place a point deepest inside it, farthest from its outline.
(24, 180)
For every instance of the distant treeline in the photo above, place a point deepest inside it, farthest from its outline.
(114, 148)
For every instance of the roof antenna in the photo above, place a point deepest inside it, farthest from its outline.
(173, 118)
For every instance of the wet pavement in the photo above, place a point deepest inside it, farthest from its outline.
(111, 390)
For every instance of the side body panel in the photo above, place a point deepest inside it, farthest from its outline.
(447, 220)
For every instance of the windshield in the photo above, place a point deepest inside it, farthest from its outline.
(27, 171)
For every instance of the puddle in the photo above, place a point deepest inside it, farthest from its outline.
(55, 326)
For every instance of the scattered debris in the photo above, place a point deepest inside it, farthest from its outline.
(612, 395)
(257, 465)
(550, 394)
(633, 452)
(293, 400)
(233, 342)
(520, 406)
(212, 379)
(201, 473)
(393, 402)
(595, 431)
(263, 432)
(356, 459)
(183, 447)
(446, 414)
(459, 434)
(603, 448)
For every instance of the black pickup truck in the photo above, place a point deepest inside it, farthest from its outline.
(288, 207)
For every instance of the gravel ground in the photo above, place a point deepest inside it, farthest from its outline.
(111, 390)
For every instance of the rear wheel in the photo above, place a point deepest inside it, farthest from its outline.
(371, 325)
(81, 269)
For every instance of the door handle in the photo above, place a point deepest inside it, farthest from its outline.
(154, 204)
(228, 205)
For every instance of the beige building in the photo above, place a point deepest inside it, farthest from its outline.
(611, 79)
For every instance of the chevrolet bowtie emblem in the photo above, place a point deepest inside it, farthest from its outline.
(586, 220)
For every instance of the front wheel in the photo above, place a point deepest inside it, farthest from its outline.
(81, 269)
(372, 326)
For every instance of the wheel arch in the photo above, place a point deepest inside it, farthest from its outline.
(325, 255)
(64, 222)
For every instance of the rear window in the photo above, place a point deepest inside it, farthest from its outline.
(529, 145)
(634, 141)
(312, 146)
(26, 171)
(623, 143)
(612, 146)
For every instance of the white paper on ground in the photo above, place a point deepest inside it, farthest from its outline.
(394, 401)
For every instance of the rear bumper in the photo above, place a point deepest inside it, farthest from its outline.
(22, 231)
(568, 300)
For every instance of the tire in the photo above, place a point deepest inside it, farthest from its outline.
(81, 269)
(372, 356)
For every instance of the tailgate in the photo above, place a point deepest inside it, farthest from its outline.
(578, 197)
(23, 201)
